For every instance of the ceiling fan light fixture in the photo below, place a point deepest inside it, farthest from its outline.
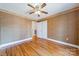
(37, 8)
(37, 12)
(35, 4)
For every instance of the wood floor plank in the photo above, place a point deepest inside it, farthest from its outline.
(51, 49)
(60, 49)
(42, 48)
(65, 50)
(28, 49)
(3, 52)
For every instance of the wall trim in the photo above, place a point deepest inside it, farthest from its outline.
(69, 44)
(15, 42)
(15, 14)
(60, 13)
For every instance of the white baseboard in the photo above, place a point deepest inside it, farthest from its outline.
(69, 44)
(20, 41)
(15, 42)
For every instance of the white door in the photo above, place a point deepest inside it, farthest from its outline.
(42, 29)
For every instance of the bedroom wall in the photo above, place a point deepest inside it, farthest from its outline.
(64, 27)
(14, 28)
(77, 14)
(0, 32)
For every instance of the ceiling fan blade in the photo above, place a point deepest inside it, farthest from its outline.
(44, 12)
(31, 6)
(43, 5)
(31, 12)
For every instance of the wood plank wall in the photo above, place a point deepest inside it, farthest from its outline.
(64, 27)
(14, 28)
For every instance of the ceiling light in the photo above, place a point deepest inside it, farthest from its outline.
(35, 4)
(37, 8)
(37, 12)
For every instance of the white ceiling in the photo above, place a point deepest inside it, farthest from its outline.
(51, 8)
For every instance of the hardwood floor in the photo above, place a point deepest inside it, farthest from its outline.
(42, 48)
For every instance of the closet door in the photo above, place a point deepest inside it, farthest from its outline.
(42, 29)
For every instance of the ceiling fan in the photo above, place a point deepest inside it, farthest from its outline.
(37, 9)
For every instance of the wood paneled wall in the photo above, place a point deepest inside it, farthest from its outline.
(14, 28)
(64, 27)
(77, 14)
(0, 32)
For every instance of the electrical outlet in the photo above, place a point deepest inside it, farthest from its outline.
(67, 38)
